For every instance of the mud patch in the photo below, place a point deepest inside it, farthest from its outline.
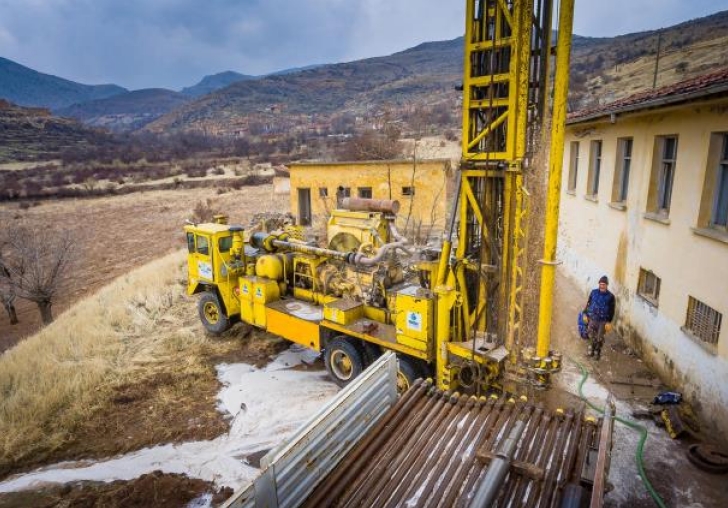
(154, 489)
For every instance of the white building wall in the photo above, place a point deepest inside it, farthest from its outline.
(596, 238)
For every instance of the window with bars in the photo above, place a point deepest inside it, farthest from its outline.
(648, 286)
(622, 169)
(408, 191)
(703, 321)
(595, 167)
(323, 192)
(573, 165)
(364, 192)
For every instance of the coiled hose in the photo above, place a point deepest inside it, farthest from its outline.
(634, 426)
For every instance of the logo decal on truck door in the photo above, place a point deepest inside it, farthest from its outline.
(414, 321)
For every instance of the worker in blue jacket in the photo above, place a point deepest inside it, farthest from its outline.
(599, 312)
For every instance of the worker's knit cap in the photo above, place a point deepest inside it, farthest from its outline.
(604, 280)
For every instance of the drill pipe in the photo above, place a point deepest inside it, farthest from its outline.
(363, 484)
(452, 486)
(422, 464)
(439, 480)
(398, 468)
(350, 467)
(489, 488)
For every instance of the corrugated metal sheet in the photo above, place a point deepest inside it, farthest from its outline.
(292, 470)
(433, 449)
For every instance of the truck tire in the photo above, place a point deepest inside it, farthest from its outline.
(212, 314)
(371, 353)
(407, 372)
(344, 360)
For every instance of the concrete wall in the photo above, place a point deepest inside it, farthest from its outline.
(597, 238)
(432, 180)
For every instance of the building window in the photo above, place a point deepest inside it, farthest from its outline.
(703, 321)
(663, 175)
(364, 192)
(720, 199)
(343, 192)
(621, 171)
(573, 165)
(408, 191)
(649, 286)
(595, 167)
(323, 192)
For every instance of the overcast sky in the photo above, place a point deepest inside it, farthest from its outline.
(173, 43)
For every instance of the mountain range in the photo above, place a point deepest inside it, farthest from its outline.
(603, 69)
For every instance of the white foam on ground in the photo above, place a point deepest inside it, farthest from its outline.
(266, 405)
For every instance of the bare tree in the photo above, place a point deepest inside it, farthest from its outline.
(35, 260)
(7, 294)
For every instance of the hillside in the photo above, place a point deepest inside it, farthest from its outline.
(126, 111)
(607, 69)
(34, 134)
(419, 73)
(214, 82)
(26, 87)
(603, 69)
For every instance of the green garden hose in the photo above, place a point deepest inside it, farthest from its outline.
(634, 426)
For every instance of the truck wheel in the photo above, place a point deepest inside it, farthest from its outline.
(407, 373)
(371, 353)
(343, 360)
(212, 314)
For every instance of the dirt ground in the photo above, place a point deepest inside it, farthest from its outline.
(676, 480)
(118, 233)
(154, 489)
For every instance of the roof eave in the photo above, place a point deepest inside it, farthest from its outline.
(654, 103)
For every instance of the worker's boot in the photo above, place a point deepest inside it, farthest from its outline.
(597, 353)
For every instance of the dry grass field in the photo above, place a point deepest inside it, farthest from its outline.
(127, 365)
(116, 234)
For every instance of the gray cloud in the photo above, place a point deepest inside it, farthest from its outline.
(173, 43)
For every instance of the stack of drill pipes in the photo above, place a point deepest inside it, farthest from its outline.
(442, 481)
(378, 457)
(490, 488)
(485, 420)
(429, 463)
(523, 451)
(543, 456)
(539, 425)
(571, 453)
(381, 461)
(355, 460)
(407, 456)
(556, 462)
(477, 469)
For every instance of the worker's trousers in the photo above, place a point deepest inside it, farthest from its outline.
(596, 336)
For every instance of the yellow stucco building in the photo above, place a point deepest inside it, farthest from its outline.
(422, 188)
(645, 201)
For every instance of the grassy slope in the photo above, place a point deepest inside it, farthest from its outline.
(125, 368)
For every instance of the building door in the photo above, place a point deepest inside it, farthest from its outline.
(304, 207)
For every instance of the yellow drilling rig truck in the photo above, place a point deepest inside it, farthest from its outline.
(455, 312)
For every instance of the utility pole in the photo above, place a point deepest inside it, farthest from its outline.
(657, 59)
